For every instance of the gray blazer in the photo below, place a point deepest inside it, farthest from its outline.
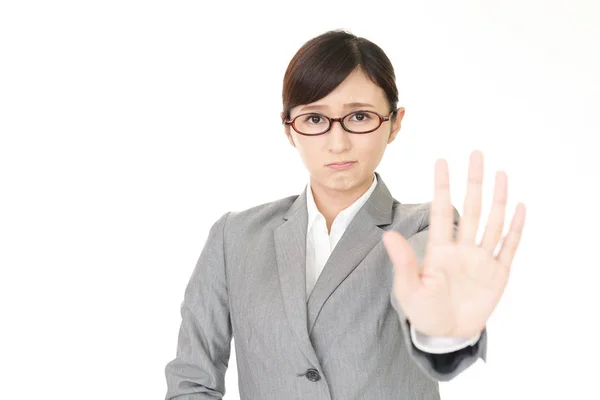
(348, 341)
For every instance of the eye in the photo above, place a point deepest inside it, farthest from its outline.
(361, 116)
(313, 118)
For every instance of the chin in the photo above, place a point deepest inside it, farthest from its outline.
(343, 182)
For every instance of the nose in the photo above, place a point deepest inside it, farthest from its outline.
(338, 137)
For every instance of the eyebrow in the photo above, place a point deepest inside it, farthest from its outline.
(347, 105)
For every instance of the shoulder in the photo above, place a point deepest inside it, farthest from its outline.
(263, 212)
(410, 210)
(262, 217)
(417, 214)
(407, 218)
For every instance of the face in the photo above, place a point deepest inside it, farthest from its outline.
(338, 145)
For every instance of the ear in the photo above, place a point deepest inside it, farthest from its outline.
(290, 138)
(286, 130)
(396, 124)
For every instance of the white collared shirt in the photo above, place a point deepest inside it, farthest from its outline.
(320, 244)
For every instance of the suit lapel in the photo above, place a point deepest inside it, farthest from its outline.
(360, 237)
(358, 240)
(290, 249)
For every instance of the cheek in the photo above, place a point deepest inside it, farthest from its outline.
(369, 146)
(309, 150)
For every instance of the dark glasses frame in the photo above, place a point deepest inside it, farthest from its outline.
(331, 120)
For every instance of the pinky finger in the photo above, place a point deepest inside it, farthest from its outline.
(513, 237)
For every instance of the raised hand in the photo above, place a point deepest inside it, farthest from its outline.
(460, 282)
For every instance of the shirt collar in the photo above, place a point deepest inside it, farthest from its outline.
(345, 216)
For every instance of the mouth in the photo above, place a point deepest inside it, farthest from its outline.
(340, 163)
(341, 166)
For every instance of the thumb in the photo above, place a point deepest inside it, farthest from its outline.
(406, 269)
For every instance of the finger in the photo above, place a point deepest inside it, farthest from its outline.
(441, 218)
(406, 269)
(495, 224)
(469, 223)
(512, 239)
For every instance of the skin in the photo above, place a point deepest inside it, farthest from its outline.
(453, 292)
(333, 190)
(455, 289)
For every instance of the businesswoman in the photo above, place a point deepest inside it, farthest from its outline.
(342, 292)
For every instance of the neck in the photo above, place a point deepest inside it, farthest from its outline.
(331, 202)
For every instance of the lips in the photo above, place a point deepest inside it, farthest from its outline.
(341, 163)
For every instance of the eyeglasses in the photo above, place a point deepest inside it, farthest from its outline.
(359, 122)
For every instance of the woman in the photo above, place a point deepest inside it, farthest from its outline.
(342, 292)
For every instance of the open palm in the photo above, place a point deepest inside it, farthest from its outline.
(460, 282)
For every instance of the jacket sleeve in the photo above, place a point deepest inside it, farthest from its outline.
(445, 366)
(204, 341)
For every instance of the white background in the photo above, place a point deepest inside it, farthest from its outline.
(127, 128)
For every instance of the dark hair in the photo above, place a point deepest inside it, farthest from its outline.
(323, 62)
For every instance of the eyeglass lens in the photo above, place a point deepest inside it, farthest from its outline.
(360, 121)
